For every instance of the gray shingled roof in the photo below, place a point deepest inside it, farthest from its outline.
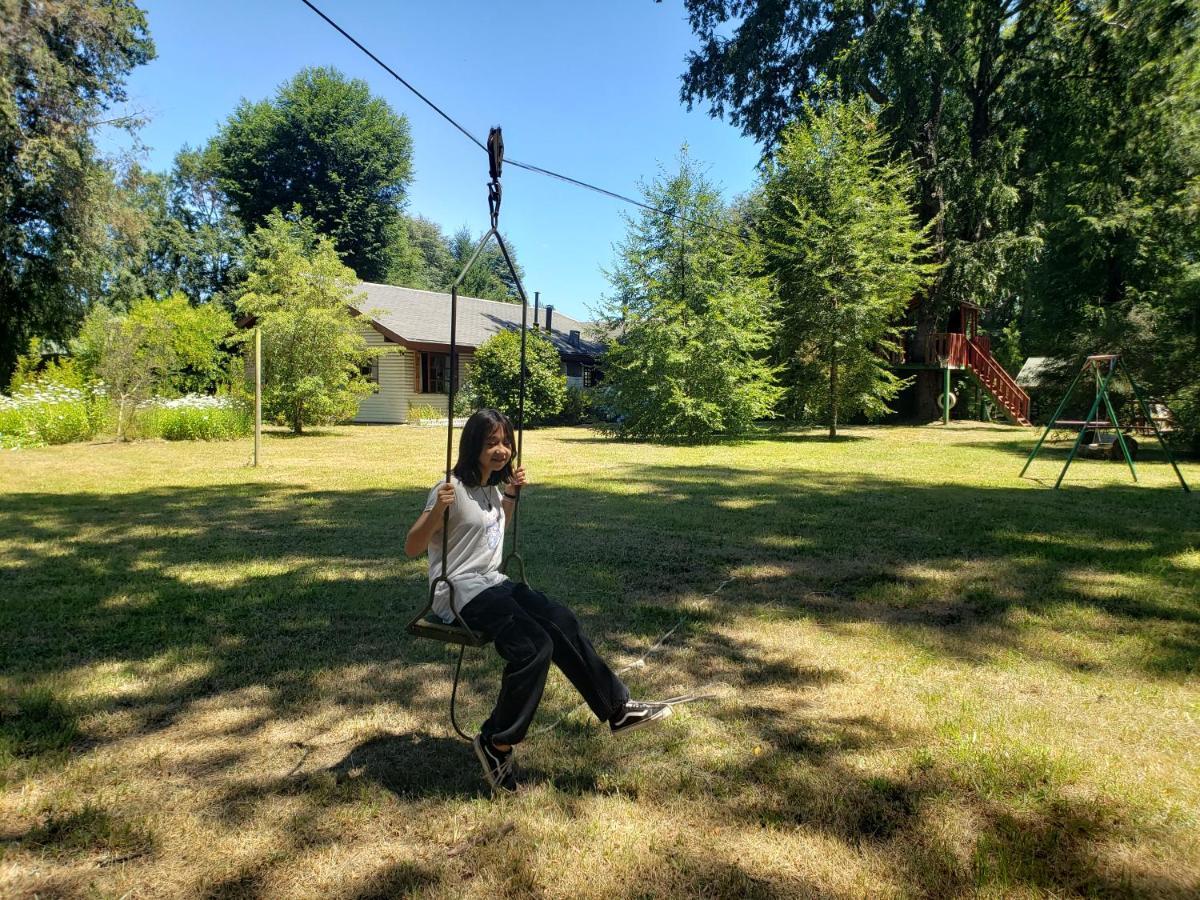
(424, 317)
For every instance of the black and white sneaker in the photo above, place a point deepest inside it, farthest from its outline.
(635, 714)
(497, 765)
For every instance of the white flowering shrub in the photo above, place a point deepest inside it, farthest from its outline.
(195, 417)
(47, 412)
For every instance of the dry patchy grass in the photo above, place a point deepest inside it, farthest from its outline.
(928, 678)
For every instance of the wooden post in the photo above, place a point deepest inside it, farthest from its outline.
(257, 392)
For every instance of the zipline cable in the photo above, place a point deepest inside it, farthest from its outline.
(529, 167)
(344, 33)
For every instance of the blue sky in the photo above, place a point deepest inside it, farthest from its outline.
(587, 89)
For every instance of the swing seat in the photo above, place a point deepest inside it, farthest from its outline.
(432, 627)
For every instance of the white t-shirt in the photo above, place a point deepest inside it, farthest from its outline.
(475, 545)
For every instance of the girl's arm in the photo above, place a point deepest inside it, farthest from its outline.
(429, 522)
(512, 492)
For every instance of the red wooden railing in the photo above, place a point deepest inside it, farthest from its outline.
(976, 354)
(947, 349)
(997, 380)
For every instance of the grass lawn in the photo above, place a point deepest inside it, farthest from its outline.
(928, 677)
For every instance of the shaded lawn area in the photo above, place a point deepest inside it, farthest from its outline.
(928, 678)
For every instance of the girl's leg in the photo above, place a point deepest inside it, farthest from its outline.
(527, 649)
(573, 653)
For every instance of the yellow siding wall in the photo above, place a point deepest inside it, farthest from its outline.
(397, 375)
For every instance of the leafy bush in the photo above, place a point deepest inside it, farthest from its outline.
(495, 376)
(195, 418)
(46, 412)
(419, 413)
(577, 406)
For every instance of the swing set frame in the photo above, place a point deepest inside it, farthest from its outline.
(1104, 368)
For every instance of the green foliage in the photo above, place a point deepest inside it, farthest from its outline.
(420, 413)
(1113, 163)
(49, 412)
(326, 145)
(34, 367)
(845, 253)
(159, 345)
(430, 260)
(62, 64)
(942, 76)
(495, 374)
(196, 418)
(297, 289)
(211, 267)
(424, 257)
(490, 277)
(578, 406)
(691, 320)
(130, 357)
(195, 335)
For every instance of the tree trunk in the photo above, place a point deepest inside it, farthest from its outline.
(833, 386)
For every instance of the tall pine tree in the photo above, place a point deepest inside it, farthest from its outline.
(845, 252)
(691, 320)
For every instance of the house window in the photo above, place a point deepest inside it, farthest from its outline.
(434, 370)
(589, 376)
(371, 373)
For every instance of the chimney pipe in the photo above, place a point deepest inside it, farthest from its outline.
(549, 317)
(537, 300)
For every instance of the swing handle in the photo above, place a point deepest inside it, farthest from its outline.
(514, 556)
(421, 627)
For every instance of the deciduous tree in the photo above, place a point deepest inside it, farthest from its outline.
(326, 145)
(63, 65)
(297, 289)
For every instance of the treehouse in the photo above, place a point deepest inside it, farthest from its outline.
(962, 348)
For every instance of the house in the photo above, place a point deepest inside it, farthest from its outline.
(419, 321)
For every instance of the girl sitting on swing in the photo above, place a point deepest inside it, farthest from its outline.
(528, 628)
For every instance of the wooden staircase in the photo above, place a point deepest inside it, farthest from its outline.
(975, 355)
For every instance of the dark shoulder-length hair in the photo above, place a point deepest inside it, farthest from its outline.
(470, 445)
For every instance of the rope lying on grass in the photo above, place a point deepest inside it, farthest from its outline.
(640, 663)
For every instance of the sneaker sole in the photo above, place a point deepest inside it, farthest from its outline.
(657, 716)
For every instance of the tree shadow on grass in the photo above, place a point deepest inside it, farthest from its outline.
(414, 766)
(732, 441)
(211, 594)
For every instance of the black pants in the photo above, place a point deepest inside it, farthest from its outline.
(530, 630)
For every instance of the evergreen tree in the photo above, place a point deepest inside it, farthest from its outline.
(489, 278)
(690, 321)
(62, 65)
(943, 76)
(1113, 187)
(844, 250)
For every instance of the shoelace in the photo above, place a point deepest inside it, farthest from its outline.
(505, 769)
